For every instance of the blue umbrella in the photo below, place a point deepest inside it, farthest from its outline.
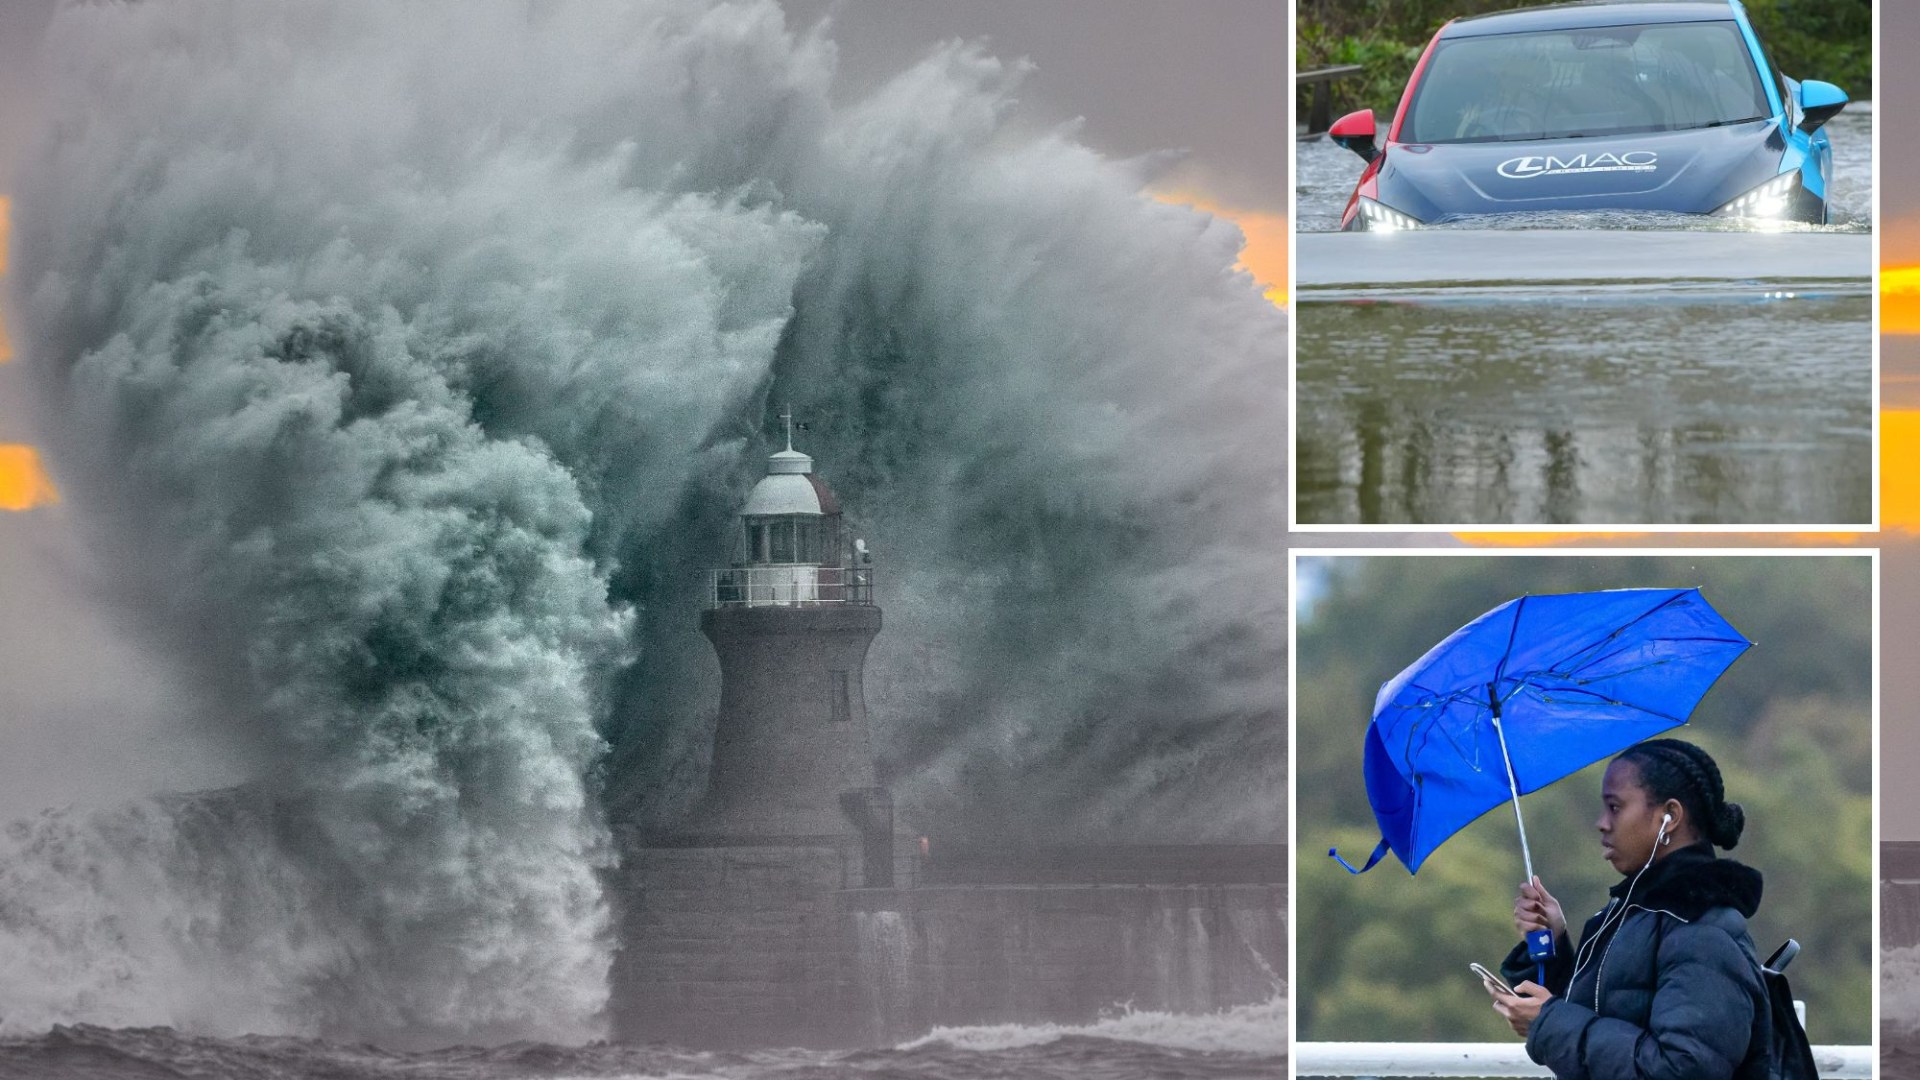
(1532, 691)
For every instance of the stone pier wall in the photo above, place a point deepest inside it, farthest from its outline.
(771, 945)
(1061, 953)
(1899, 894)
(735, 947)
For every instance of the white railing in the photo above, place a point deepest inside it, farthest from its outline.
(776, 586)
(1385, 1059)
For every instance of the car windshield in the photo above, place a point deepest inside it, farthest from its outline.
(1608, 80)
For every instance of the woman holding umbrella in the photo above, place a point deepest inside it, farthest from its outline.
(1665, 983)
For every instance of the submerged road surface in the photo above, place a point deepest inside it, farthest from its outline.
(1346, 263)
(1589, 378)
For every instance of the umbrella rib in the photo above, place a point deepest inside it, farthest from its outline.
(1570, 660)
(1573, 672)
(1571, 681)
(1427, 730)
(1612, 701)
(1447, 697)
(1573, 677)
(1513, 634)
(1661, 641)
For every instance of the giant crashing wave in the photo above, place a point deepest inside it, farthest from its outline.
(407, 362)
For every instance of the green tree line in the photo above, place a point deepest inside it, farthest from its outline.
(1383, 956)
(1830, 40)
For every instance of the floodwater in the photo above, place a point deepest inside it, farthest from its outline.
(1435, 390)
(1584, 411)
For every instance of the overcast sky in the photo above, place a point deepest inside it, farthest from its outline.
(1203, 76)
(1899, 157)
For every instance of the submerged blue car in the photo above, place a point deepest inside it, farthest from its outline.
(1596, 106)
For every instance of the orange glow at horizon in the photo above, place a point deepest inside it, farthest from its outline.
(1899, 488)
(1900, 299)
(23, 483)
(1264, 252)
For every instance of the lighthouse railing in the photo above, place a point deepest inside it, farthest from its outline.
(792, 585)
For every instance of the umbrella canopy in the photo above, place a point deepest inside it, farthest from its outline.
(1570, 678)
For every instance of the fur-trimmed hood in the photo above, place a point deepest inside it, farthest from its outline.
(1691, 881)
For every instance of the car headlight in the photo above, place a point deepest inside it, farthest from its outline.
(1379, 217)
(1770, 200)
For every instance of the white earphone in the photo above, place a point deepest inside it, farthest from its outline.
(1585, 952)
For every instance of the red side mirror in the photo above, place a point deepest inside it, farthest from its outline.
(1353, 125)
(1355, 131)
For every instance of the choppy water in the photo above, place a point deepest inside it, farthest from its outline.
(1240, 1043)
(1324, 176)
(1602, 408)
(1899, 1059)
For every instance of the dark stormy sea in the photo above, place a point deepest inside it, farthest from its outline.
(1899, 987)
(1248, 1042)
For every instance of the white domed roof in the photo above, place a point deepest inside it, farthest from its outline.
(783, 494)
(789, 488)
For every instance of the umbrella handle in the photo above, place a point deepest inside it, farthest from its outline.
(1540, 947)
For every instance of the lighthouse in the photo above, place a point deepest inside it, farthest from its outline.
(773, 915)
(791, 621)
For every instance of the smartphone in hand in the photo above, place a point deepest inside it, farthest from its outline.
(1493, 983)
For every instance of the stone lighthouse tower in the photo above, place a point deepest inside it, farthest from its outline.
(791, 621)
(770, 916)
(733, 925)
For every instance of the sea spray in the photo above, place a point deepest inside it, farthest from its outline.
(181, 909)
(365, 385)
(408, 360)
(1259, 1029)
(1061, 415)
(1900, 991)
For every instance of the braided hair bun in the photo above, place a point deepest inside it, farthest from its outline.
(1675, 769)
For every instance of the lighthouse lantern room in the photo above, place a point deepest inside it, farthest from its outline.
(794, 541)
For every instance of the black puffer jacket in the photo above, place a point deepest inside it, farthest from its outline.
(1671, 990)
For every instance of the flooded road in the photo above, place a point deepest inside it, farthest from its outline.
(1652, 369)
(1586, 410)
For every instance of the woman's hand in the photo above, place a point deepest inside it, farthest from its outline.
(1536, 909)
(1520, 1007)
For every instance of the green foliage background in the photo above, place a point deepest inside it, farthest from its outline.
(1384, 956)
(1830, 40)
